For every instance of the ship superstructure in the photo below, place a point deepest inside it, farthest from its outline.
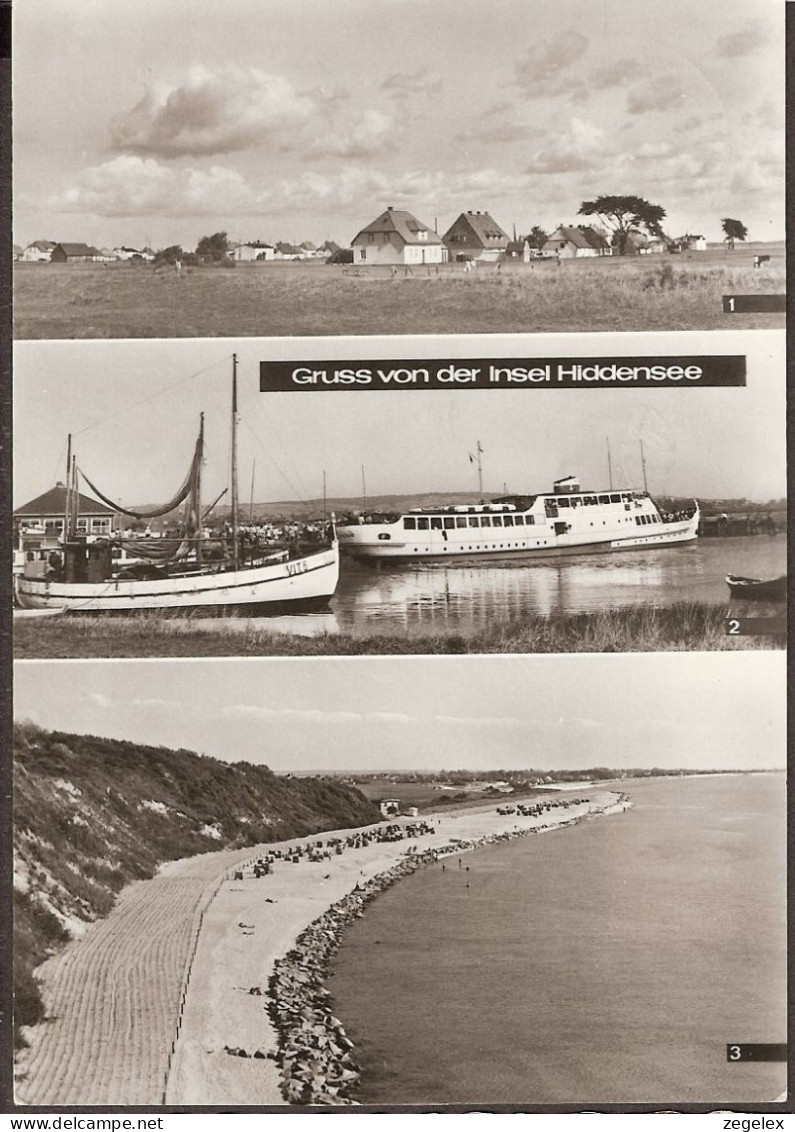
(567, 520)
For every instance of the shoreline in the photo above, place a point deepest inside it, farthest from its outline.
(265, 1047)
(684, 626)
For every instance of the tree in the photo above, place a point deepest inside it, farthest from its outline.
(623, 214)
(169, 255)
(213, 247)
(537, 237)
(733, 230)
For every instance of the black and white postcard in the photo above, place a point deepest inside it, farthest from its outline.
(399, 559)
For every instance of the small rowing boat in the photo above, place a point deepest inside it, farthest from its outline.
(757, 589)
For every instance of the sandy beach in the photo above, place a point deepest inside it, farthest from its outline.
(145, 1007)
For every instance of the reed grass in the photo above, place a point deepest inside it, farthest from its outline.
(683, 627)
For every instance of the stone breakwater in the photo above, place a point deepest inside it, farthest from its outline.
(315, 1056)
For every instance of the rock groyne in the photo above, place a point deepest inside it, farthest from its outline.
(315, 1056)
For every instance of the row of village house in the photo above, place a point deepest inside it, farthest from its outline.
(47, 251)
(397, 237)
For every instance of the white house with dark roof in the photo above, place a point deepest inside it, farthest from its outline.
(38, 252)
(577, 242)
(475, 235)
(691, 243)
(519, 250)
(47, 511)
(78, 253)
(252, 251)
(397, 237)
(284, 250)
(137, 254)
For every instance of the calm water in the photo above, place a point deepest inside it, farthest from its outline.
(608, 962)
(464, 599)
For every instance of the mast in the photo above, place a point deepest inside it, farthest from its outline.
(364, 492)
(251, 497)
(324, 497)
(643, 464)
(235, 516)
(479, 450)
(609, 464)
(198, 496)
(67, 515)
(75, 509)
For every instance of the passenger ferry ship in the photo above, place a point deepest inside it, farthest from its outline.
(567, 520)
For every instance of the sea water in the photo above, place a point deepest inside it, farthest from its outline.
(612, 961)
(465, 598)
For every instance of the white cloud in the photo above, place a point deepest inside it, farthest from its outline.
(402, 85)
(497, 124)
(490, 722)
(210, 113)
(611, 76)
(582, 146)
(650, 150)
(616, 74)
(254, 711)
(362, 140)
(657, 92)
(209, 191)
(754, 177)
(743, 42)
(98, 700)
(544, 71)
(141, 186)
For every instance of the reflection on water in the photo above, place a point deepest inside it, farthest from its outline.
(465, 598)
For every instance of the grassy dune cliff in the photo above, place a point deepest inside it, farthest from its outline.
(91, 815)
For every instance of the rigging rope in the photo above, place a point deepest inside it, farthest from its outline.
(181, 495)
(153, 396)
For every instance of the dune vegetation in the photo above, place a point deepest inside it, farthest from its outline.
(92, 815)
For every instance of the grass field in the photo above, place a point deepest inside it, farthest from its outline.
(682, 627)
(681, 292)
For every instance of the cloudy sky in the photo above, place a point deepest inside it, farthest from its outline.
(133, 408)
(162, 120)
(711, 710)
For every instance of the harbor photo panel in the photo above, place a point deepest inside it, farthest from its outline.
(521, 494)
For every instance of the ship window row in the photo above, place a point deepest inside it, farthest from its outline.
(644, 520)
(461, 522)
(592, 500)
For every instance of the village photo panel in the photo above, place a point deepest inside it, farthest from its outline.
(532, 881)
(264, 168)
(506, 494)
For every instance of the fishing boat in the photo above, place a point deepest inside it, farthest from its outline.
(757, 589)
(192, 573)
(568, 520)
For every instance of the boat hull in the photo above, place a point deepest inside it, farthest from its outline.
(544, 546)
(299, 585)
(755, 589)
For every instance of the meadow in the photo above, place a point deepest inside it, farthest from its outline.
(681, 292)
(643, 628)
